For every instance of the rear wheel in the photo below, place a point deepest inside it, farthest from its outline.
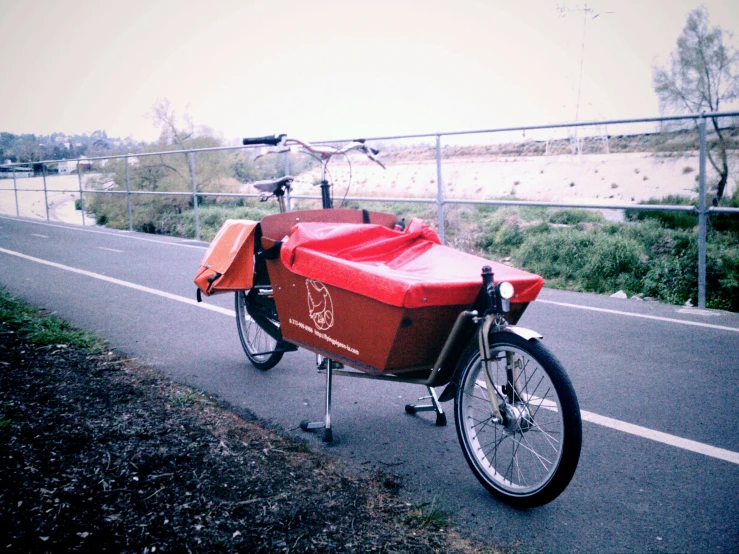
(527, 453)
(260, 347)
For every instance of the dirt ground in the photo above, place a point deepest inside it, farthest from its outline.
(100, 454)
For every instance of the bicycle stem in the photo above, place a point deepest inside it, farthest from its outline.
(326, 202)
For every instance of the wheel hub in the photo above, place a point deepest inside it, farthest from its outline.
(517, 418)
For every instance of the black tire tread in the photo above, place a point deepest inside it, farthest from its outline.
(263, 365)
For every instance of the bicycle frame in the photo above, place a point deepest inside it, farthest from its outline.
(433, 375)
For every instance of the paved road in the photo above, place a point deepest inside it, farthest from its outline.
(657, 384)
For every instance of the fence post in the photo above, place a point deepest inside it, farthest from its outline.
(46, 195)
(15, 189)
(128, 197)
(439, 190)
(702, 215)
(195, 195)
(82, 201)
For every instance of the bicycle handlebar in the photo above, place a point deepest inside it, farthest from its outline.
(326, 151)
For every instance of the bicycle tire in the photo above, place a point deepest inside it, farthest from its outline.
(528, 457)
(254, 339)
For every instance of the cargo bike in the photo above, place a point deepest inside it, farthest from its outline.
(376, 299)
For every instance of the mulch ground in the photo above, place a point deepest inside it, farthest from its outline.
(99, 454)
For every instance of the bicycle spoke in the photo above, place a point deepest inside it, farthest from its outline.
(495, 442)
(536, 454)
(549, 438)
(534, 467)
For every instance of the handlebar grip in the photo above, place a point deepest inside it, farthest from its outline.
(269, 140)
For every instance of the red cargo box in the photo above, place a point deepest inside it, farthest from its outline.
(381, 300)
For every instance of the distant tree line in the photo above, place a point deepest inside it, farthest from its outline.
(30, 148)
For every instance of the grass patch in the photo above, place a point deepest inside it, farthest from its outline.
(428, 514)
(185, 398)
(44, 329)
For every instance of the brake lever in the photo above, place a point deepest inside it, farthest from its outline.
(262, 154)
(371, 154)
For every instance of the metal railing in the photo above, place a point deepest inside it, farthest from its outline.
(702, 210)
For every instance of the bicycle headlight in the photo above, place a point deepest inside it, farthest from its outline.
(505, 290)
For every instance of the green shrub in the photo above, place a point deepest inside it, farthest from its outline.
(557, 255)
(727, 222)
(671, 220)
(213, 217)
(673, 279)
(500, 233)
(585, 260)
(615, 262)
(722, 272)
(575, 216)
(532, 213)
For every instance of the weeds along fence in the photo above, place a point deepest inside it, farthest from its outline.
(573, 139)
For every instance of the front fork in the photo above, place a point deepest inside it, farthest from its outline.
(494, 321)
(513, 370)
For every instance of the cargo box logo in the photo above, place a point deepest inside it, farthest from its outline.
(320, 307)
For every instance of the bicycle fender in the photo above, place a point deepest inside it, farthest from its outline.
(526, 334)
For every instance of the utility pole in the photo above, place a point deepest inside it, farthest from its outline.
(587, 14)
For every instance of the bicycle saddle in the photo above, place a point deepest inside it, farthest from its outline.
(272, 186)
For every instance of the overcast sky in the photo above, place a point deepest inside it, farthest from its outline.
(333, 69)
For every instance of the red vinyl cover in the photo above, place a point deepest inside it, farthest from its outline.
(228, 263)
(409, 269)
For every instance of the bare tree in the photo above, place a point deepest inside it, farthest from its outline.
(702, 75)
(163, 116)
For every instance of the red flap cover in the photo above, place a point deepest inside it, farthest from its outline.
(407, 269)
(228, 263)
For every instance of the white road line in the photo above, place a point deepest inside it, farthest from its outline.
(643, 316)
(108, 249)
(134, 286)
(107, 234)
(37, 235)
(658, 436)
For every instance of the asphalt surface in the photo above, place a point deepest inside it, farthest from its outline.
(659, 367)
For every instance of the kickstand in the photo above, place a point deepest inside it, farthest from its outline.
(434, 406)
(310, 426)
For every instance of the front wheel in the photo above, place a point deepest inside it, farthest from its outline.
(260, 347)
(526, 453)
